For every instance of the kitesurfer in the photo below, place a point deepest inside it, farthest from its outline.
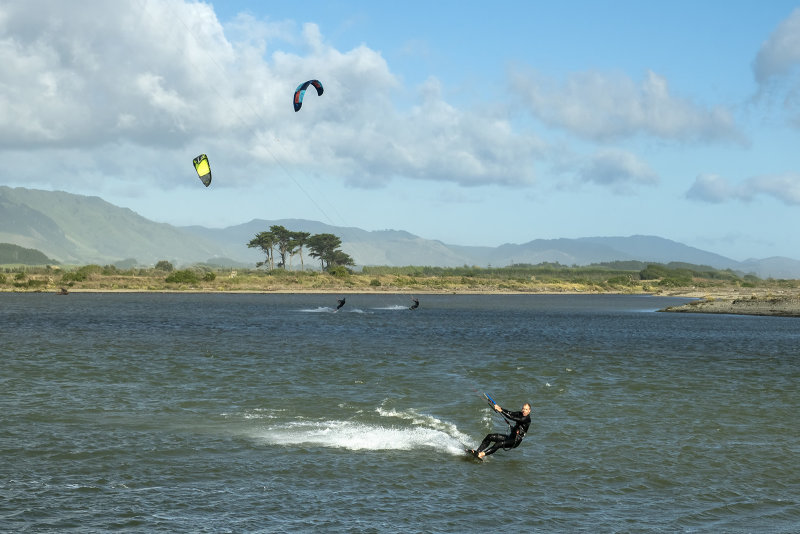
(415, 305)
(341, 302)
(522, 420)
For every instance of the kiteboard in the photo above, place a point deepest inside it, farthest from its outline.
(473, 453)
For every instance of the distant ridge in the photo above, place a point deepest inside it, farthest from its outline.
(78, 229)
(75, 229)
(588, 250)
(11, 254)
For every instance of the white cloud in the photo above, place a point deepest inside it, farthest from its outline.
(164, 76)
(777, 68)
(716, 189)
(712, 188)
(72, 76)
(152, 88)
(784, 187)
(780, 53)
(603, 106)
(619, 169)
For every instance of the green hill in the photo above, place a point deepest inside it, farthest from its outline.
(14, 254)
(78, 229)
(75, 229)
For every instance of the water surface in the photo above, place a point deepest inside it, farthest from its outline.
(273, 413)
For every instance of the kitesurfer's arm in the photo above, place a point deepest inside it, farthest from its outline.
(514, 416)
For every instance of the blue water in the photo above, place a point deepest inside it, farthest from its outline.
(273, 413)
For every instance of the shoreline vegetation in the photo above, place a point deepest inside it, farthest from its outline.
(714, 291)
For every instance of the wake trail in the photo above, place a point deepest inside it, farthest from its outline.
(394, 430)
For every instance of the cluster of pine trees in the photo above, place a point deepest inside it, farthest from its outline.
(287, 244)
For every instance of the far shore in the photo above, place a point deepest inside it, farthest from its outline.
(719, 300)
(774, 306)
(332, 291)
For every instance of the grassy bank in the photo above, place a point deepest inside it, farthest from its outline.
(628, 277)
(310, 281)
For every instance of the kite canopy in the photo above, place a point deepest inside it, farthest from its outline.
(203, 169)
(301, 91)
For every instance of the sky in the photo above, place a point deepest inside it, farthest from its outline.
(465, 122)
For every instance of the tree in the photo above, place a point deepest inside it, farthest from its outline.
(266, 242)
(284, 241)
(322, 246)
(341, 258)
(326, 248)
(299, 240)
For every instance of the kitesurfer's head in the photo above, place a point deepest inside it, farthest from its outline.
(526, 409)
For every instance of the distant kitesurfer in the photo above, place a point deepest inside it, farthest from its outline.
(415, 305)
(341, 302)
(522, 420)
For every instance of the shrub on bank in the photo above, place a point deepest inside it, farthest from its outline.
(183, 276)
(339, 271)
(83, 274)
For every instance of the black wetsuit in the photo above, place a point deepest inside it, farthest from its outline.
(415, 305)
(341, 303)
(507, 441)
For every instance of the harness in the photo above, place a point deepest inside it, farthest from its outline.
(519, 434)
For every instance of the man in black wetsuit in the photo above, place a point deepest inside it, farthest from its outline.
(341, 302)
(415, 305)
(522, 420)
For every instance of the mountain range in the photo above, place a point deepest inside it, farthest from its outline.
(80, 230)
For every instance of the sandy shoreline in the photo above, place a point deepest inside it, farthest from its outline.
(783, 306)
